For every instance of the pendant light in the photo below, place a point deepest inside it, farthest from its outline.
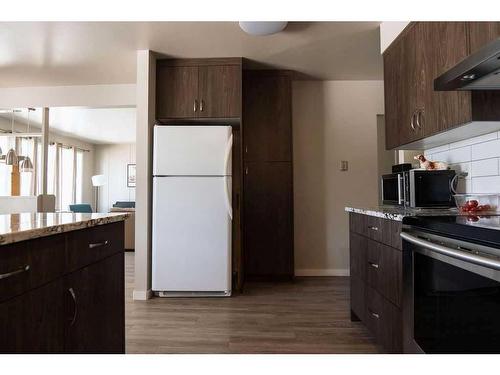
(11, 157)
(26, 164)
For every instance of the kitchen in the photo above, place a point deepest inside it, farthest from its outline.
(278, 212)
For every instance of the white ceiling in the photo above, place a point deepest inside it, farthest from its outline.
(68, 53)
(93, 125)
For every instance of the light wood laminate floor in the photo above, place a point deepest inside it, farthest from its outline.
(310, 315)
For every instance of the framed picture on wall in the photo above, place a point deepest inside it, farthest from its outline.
(130, 175)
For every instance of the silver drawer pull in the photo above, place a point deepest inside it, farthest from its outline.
(75, 306)
(374, 314)
(98, 244)
(374, 265)
(372, 228)
(16, 272)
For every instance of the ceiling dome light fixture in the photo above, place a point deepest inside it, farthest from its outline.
(262, 27)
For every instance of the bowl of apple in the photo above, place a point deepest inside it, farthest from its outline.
(477, 203)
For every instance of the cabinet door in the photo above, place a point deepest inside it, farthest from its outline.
(268, 219)
(410, 99)
(267, 123)
(220, 91)
(441, 45)
(357, 255)
(481, 33)
(34, 322)
(176, 92)
(96, 311)
(393, 93)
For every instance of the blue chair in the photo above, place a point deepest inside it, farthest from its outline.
(80, 208)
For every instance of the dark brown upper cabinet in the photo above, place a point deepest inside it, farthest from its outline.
(481, 33)
(267, 116)
(422, 52)
(198, 88)
(176, 91)
(219, 91)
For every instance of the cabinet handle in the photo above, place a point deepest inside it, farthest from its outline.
(195, 105)
(373, 228)
(374, 265)
(420, 113)
(75, 306)
(16, 272)
(246, 170)
(412, 122)
(246, 149)
(374, 314)
(202, 103)
(98, 244)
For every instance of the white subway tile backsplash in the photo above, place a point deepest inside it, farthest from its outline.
(475, 140)
(479, 156)
(485, 167)
(438, 149)
(462, 168)
(486, 184)
(486, 150)
(457, 155)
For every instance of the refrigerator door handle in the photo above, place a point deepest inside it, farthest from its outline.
(229, 148)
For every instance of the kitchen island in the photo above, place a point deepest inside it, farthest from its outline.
(62, 283)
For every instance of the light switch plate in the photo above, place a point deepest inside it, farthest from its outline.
(344, 165)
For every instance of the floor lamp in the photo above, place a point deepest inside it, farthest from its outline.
(97, 181)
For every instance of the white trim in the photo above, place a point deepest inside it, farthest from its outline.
(142, 295)
(322, 272)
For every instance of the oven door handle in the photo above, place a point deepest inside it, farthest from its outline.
(457, 254)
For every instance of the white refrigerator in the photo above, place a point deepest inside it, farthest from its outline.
(192, 211)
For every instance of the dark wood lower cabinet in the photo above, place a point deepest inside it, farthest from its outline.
(57, 309)
(376, 278)
(34, 322)
(95, 309)
(268, 229)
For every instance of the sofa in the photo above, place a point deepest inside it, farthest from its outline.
(128, 207)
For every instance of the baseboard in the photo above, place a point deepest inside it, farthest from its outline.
(322, 272)
(142, 295)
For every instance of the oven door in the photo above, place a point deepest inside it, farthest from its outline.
(451, 295)
(393, 189)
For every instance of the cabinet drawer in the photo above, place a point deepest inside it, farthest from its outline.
(384, 270)
(90, 245)
(384, 320)
(378, 229)
(29, 264)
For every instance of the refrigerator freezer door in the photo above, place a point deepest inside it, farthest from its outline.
(191, 150)
(191, 235)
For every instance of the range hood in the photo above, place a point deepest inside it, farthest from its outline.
(479, 71)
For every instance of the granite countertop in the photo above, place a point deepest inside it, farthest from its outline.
(26, 226)
(398, 213)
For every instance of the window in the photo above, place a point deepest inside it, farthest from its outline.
(6, 143)
(64, 170)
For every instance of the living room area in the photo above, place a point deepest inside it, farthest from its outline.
(89, 161)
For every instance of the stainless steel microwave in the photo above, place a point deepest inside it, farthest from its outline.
(418, 188)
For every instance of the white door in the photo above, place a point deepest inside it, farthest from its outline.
(192, 151)
(191, 234)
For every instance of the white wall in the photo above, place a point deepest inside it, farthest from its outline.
(146, 93)
(63, 96)
(332, 121)
(478, 156)
(388, 32)
(111, 161)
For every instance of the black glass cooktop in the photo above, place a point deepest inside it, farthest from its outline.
(484, 229)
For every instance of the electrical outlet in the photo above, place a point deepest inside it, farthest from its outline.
(344, 165)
